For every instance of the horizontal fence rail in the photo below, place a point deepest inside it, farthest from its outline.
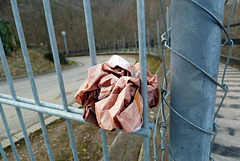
(142, 44)
(64, 111)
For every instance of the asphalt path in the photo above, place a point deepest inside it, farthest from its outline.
(48, 91)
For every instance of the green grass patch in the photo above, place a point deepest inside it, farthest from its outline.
(152, 63)
(38, 62)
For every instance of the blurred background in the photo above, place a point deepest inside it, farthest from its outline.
(111, 20)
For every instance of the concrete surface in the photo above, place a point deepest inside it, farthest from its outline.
(227, 143)
(125, 147)
(48, 90)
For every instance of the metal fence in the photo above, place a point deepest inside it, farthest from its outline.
(63, 111)
(70, 113)
(176, 153)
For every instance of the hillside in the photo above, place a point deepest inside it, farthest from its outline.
(111, 19)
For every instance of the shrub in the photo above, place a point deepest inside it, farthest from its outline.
(62, 57)
(8, 36)
(5, 37)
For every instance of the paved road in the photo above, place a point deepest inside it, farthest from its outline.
(227, 143)
(48, 89)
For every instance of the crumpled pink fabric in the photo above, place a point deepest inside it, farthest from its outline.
(111, 95)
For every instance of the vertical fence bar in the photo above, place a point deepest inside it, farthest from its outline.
(65, 42)
(2, 152)
(15, 153)
(114, 45)
(104, 145)
(23, 43)
(30, 73)
(53, 41)
(158, 34)
(148, 39)
(14, 96)
(24, 47)
(8, 76)
(164, 20)
(91, 42)
(198, 38)
(123, 43)
(106, 46)
(167, 15)
(230, 17)
(90, 33)
(143, 70)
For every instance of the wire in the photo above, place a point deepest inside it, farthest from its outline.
(164, 94)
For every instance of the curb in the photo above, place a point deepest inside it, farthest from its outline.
(33, 128)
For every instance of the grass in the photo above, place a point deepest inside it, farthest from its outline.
(88, 145)
(87, 137)
(152, 63)
(38, 62)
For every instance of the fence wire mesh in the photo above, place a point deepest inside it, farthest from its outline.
(73, 114)
(160, 126)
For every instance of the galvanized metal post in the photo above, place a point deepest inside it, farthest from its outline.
(2, 153)
(65, 42)
(164, 21)
(52, 37)
(114, 45)
(196, 36)
(91, 43)
(19, 113)
(158, 34)
(135, 39)
(123, 43)
(167, 15)
(90, 34)
(106, 46)
(148, 39)
(12, 143)
(99, 48)
(143, 71)
(30, 73)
